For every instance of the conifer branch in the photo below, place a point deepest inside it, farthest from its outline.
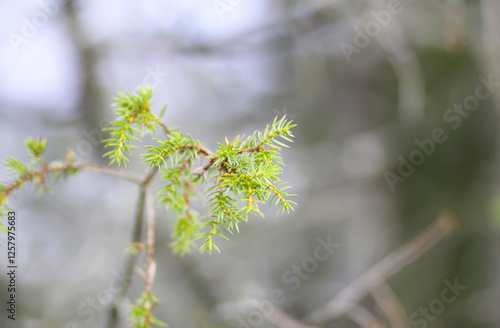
(241, 174)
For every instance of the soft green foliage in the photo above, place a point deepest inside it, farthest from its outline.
(236, 179)
(247, 173)
(15, 166)
(3, 202)
(140, 313)
(175, 157)
(35, 170)
(134, 115)
(36, 147)
(242, 174)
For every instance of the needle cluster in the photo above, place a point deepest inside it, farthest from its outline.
(236, 180)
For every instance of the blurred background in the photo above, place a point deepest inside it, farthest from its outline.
(367, 82)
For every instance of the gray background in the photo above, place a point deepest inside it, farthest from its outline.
(231, 72)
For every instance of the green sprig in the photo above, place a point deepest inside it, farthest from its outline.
(240, 176)
(134, 116)
(141, 313)
(244, 173)
(247, 175)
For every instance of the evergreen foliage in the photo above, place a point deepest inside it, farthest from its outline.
(237, 178)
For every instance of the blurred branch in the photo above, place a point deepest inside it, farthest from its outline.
(390, 305)
(387, 267)
(490, 48)
(130, 262)
(402, 57)
(277, 316)
(90, 103)
(274, 34)
(364, 318)
(455, 13)
(284, 28)
(411, 86)
(283, 320)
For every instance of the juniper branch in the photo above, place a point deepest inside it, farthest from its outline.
(242, 174)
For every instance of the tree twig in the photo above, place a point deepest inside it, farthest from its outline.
(390, 265)
(364, 318)
(150, 214)
(164, 127)
(283, 320)
(145, 199)
(278, 317)
(391, 306)
(132, 177)
(42, 173)
(131, 259)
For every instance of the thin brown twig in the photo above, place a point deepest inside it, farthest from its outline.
(203, 150)
(150, 214)
(131, 259)
(164, 127)
(149, 177)
(387, 267)
(210, 163)
(42, 173)
(136, 238)
(132, 177)
(144, 200)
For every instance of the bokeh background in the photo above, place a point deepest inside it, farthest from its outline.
(226, 67)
